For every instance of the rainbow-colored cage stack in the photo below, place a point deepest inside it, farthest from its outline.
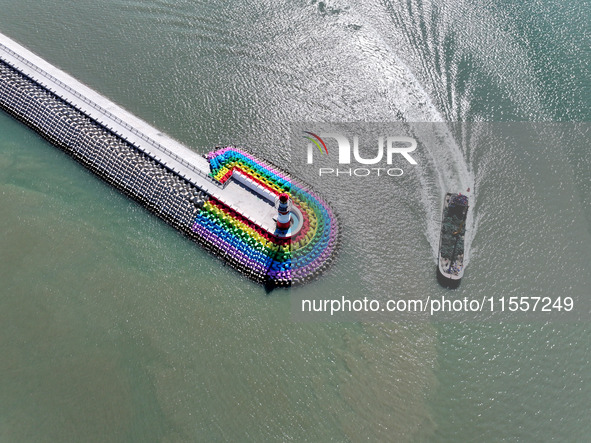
(256, 253)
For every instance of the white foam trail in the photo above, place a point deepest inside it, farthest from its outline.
(446, 171)
(362, 78)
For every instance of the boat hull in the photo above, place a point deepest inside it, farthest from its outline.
(450, 256)
(446, 280)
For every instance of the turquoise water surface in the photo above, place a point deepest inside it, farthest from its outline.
(113, 327)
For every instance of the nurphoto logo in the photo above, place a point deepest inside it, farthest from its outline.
(396, 147)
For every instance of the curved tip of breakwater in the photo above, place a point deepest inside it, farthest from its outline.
(268, 257)
(226, 201)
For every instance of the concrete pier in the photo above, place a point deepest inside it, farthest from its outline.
(225, 201)
(253, 203)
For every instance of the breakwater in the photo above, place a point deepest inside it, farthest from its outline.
(224, 201)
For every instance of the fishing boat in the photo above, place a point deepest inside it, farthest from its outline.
(450, 265)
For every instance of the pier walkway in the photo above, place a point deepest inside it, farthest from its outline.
(189, 165)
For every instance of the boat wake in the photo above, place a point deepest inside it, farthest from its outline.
(445, 170)
(364, 69)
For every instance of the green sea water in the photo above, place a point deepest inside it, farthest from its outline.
(114, 327)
